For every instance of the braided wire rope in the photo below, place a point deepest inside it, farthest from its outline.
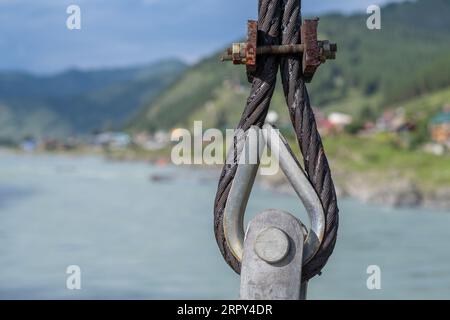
(302, 117)
(279, 21)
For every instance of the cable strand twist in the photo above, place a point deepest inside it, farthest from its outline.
(280, 22)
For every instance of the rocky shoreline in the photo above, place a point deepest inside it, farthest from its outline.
(387, 188)
(393, 191)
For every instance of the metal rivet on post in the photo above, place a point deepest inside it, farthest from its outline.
(272, 245)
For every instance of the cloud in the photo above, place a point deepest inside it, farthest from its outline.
(118, 33)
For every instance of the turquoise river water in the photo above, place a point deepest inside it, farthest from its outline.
(135, 238)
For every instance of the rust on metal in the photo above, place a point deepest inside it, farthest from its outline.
(252, 40)
(252, 46)
(311, 55)
(282, 49)
(314, 52)
(236, 53)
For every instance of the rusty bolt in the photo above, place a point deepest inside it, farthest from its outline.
(314, 52)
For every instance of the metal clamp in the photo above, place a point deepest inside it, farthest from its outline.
(272, 263)
(314, 52)
(233, 221)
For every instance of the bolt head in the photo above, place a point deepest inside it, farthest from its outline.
(272, 245)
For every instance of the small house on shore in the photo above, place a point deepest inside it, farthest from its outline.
(334, 123)
(440, 128)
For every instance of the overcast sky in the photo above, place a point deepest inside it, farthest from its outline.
(34, 37)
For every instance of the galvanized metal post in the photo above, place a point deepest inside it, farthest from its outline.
(273, 258)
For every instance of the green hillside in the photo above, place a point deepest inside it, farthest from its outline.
(75, 102)
(408, 58)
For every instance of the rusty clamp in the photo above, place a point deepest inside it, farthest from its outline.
(315, 52)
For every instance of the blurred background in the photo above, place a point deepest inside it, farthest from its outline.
(86, 118)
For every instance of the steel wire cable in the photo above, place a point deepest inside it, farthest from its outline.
(279, 21)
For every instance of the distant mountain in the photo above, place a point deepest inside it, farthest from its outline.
(75, 101)
(374, 69)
